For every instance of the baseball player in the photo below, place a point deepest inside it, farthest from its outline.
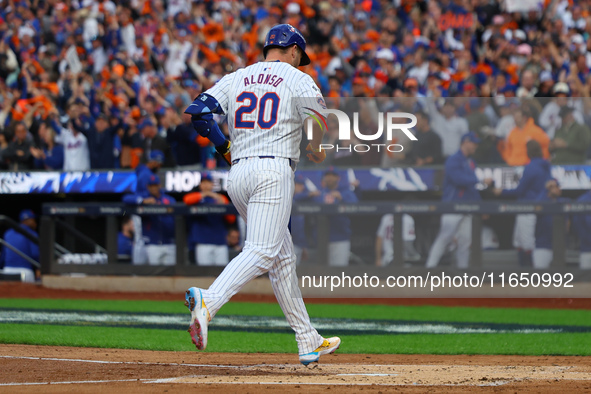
(265, 131)
(384, 246)
(543, 253)
(208, 232)
(532, 182)
(582, 225)
(459, 184)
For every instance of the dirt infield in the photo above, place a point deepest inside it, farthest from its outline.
(28, 369)
(47, 369)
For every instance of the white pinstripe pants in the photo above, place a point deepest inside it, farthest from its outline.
(262, 192)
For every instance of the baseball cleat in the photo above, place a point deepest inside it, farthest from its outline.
(328, 346)
(199, 317)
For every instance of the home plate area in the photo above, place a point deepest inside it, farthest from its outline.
(24, 368)
(387, 375)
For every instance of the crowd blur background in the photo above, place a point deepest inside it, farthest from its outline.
(95, 84)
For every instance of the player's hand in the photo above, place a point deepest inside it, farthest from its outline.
(224, 150)
(316, 155)
(497, 191)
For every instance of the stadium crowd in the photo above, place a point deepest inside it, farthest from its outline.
(94, 84)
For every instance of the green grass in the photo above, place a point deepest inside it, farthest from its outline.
(225, 341)
(362, 312)
(146, 339)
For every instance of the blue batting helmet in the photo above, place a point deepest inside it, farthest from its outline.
(282, 36)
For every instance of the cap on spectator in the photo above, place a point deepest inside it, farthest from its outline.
(157, 155)
(564, 111)
(561, 88)
(145, 123)
(545, 76)
(206, 176)
(386, 54)
(330, 171)
(103, 117)
(26, 214)
(471, 136)
(153, 180)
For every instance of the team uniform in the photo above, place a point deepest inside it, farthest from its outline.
(459, 185)
(386, 233)
(582, 225)
(265, 134)
(532, 182)
(543, 254)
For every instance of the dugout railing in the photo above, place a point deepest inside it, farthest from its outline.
(54, 213)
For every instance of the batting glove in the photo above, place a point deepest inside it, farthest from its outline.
(224, 150)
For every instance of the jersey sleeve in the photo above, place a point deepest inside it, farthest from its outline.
(309, 99)
(220, 91)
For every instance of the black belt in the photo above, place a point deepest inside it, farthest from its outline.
(291, 162)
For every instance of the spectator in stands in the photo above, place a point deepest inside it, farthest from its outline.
(18, 152)
(459, 185)
(208, 232)
(51, 156)
(550, 119)
(153, 141)
(447, 125)
(384, 246)
(100, 136)
(125, 239)
(76, 154)
(582, 226)
(525, 130)
(3, 147)
(543, 253)
(571, 140)
(339, 247)
(532, 183)
(157, 230)
(426, 150)
(16, 263)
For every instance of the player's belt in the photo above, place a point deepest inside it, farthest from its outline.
(292, 164)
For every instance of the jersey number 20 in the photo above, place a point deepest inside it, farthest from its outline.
(250, 102)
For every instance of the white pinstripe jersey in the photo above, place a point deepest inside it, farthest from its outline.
(265, 104)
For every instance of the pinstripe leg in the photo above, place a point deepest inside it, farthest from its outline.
(262, 194)
(285, 286)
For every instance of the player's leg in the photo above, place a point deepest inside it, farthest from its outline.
(464, 240)
(542, 258)
(447, 231)
(284, 281)
(220, 255)
(262, 191)
(203, 255)
(338, 253)
(585, 261)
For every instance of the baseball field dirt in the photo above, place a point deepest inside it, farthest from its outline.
(48, 369)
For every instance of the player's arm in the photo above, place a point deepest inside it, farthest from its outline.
(202, 110)
(317, 155)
